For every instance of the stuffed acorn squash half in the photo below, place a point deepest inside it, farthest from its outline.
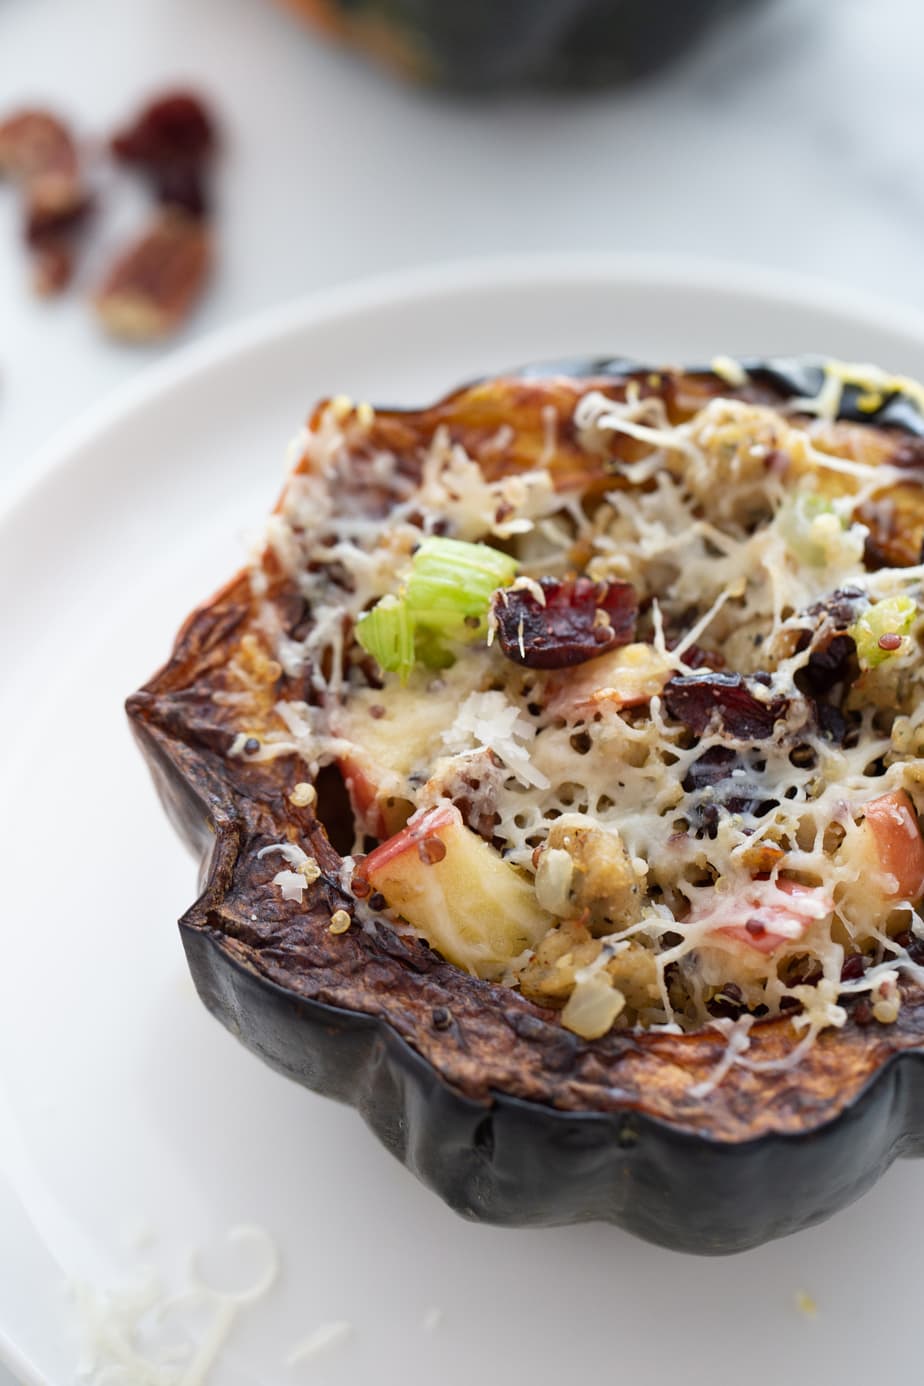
(557, 771)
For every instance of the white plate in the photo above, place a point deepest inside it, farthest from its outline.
(123, 1105)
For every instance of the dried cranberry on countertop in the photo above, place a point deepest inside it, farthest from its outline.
(578, 620)
(152, 287)
(172, 142)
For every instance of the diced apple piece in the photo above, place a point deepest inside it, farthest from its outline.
(627, 677)
(457, 892)
(377, 812)
(759, 918)
(897, 845)
(885, 857)
(388, 733)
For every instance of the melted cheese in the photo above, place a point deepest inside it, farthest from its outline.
(731, 527)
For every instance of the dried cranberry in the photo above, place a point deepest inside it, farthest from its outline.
(853, 968)
(695, 657)
(579, 620)
(832, 723)
(724, 702)
(713, 767)
(174, 125)
(182, 185)
(172, 142)
(717, 783)
(828, 664)
(832, 664)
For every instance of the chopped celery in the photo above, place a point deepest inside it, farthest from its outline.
(450, 580)
(881, 632)
(445, 598)
(430, 651)
(387, 633)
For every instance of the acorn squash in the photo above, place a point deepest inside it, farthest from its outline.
(479, 1088)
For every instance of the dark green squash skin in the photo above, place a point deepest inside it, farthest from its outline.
(480, 44)
(512, 1162)
(517, 1164)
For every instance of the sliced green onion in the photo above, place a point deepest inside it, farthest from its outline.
(387, 633)
(446, 598)
(881, 632)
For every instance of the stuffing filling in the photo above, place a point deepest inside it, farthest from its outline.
(647, 748)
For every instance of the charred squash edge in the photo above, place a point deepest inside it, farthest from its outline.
(758, 1158)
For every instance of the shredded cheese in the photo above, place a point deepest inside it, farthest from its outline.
(129, 1333)
(738, 880)
(324, 1338)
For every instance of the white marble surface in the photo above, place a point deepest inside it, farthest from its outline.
(792, 139)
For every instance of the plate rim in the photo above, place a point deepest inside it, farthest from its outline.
(458, 276)
(12, 1359)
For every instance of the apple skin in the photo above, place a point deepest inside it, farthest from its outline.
(898, 846)
(628, 677)
(390, 736)
(762, 936)
(377, 813)
(458, 892)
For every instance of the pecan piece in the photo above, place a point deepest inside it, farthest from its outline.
(39, 153)
(151, 289)
(576, 621)
(52, 266)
